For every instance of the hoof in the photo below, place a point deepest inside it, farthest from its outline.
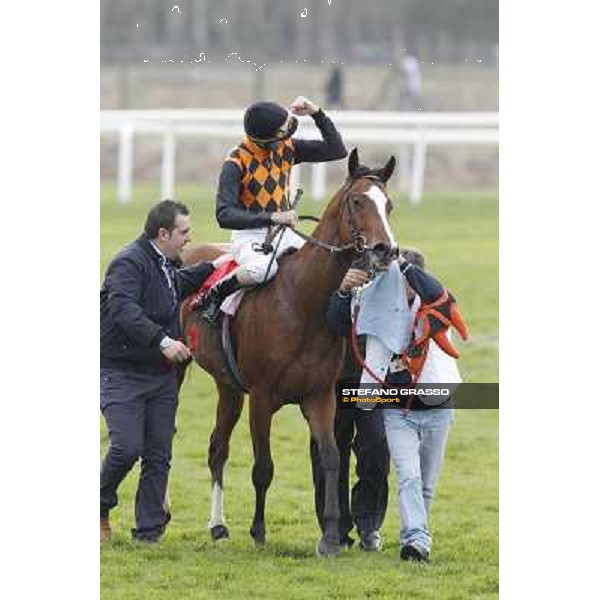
(258, 536)
(326, 549)
(219, 532)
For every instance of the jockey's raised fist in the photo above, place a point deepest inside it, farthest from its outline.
(303, 106)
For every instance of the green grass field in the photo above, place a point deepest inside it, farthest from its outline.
(459, 234)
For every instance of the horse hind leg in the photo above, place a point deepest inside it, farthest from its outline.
(229, 409)
(262, 471)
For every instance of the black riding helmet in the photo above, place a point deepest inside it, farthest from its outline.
(269, 122)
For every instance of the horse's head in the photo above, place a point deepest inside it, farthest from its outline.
(364, 210)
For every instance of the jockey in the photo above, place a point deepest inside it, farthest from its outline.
(254, 190)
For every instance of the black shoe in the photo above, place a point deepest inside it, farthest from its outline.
(210, 309)
(410, 552)
(347, 542)
(370, 541)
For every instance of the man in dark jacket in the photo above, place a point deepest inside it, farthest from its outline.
(139, 351)
(254, 189)
(361, 431)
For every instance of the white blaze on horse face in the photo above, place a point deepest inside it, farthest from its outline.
(217, 514)
(380, 201)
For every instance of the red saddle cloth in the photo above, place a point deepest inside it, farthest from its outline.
(214, 278)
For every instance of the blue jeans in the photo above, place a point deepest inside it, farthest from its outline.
(417, 440)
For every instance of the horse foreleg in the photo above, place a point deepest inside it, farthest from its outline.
(320, 413)
(262, 472)
(229, 409)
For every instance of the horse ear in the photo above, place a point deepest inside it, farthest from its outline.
(353, 162)
(387, 171)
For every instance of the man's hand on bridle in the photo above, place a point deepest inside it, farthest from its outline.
(354, 278)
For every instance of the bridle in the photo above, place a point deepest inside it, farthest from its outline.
(359, 242)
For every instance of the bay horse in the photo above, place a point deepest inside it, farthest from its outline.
(284, 349)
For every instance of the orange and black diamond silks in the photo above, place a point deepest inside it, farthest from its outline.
(265, 175)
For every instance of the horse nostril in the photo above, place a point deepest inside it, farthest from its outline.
(381, 249)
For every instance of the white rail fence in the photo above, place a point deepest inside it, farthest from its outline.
(396, 129)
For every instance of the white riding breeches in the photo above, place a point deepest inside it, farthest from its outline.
(256, 264)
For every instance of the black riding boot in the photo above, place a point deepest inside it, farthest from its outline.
(210, 310)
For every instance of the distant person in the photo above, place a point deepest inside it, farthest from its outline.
(404, 78)
(139, 352)
(411, 83)
(334, 88)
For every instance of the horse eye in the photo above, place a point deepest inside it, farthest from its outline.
(356, 201)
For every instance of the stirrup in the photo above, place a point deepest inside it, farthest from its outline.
(206, 308)
(210, 313)
(212, 317)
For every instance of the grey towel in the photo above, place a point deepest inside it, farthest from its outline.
(384, 310)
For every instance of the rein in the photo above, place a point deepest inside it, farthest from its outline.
(358, 243)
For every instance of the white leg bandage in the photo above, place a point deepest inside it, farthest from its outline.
(217, 512)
